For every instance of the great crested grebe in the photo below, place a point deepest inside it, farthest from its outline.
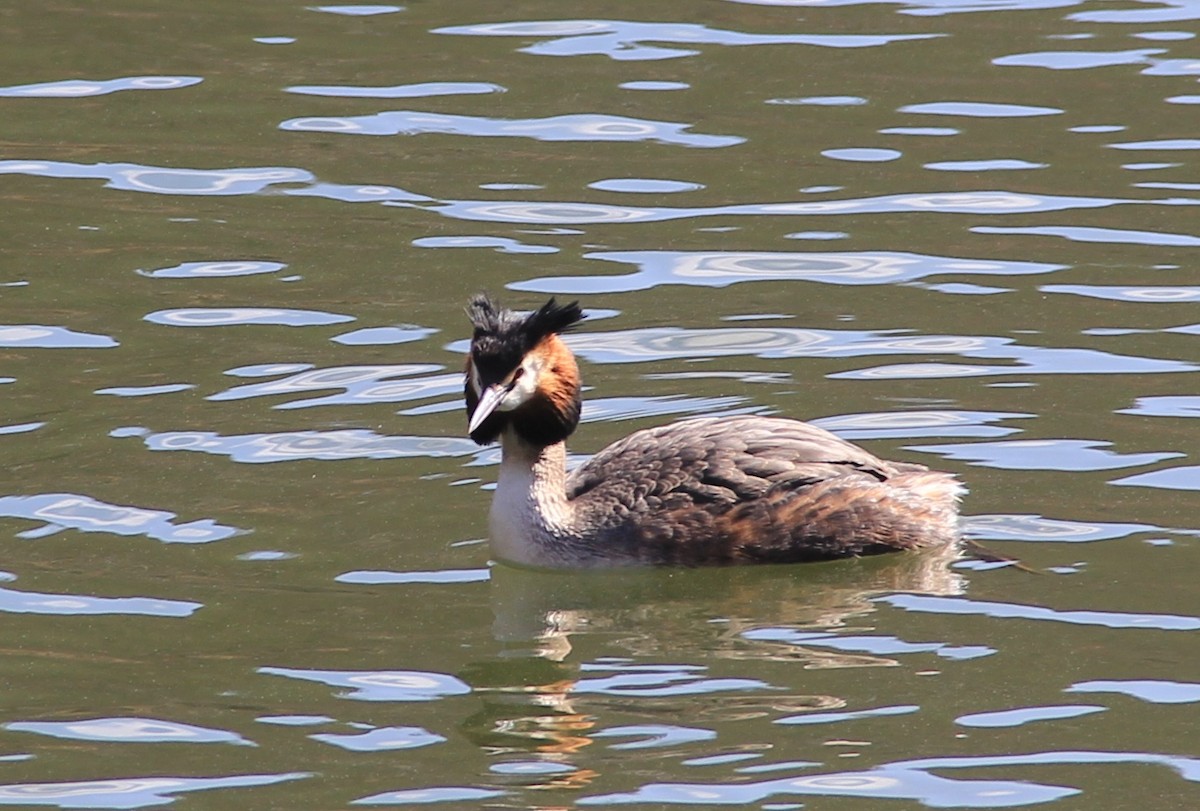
(712, 491)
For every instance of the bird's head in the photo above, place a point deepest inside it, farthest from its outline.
(521, 373)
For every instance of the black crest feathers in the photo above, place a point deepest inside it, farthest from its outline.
(490, 319)
(502, 337)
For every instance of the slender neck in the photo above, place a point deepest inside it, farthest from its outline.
(531, 520)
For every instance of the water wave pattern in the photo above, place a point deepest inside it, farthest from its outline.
(1154, 691)
(929, 423)
(379, 685)
(216, 270)
(78, 88)
(928, 8)
(638, 680)
(877, 645)
(384, 739)
(342, 610)
(161, 179)
(723, 268)
(911, 780)
(883, 782)
(577, 213)
(449, 576)
(1165, 406)
(402, 91)
(310, 445)
(385, 383)
(673, 343)
(998, 719)
(1010, 527)
(1101, 235)
(243, 316)
(128, 730)
(1185, 477)
(498, 244)
(38, 336)
(130, 792)
(1045, 454)
(627, 41)
(380, 336)
(576, 127)
(59, 511)
(13, 601)
(998, 610)
(1155, 294)
(351, 10)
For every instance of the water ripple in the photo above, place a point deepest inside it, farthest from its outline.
(889, 782)
(241, 316)
(1044, 454)
(577, 127)
(311, 445)
(1103, 235)
(615, 409)
(32, 602)
(359, 384)
(624, 40)
(1009, 527)
(874, 645)
(356, 10)
(1026, 715)
(357, 194)
(839, 717)
(37, 336)
(909, 424)
(436, 794)
(129, 792)
(1174, 478)
(574, 213)
(1156, 691)
(380, 685)
(928, 8)
(724, 268)
(1076, 60)
(161, 179)
(498, 244)
(384, 739)
(654, 736)
(381, 336)
(377, 578)
(979, 109)
(221, 269)
(1157, 294)
(129, 730)
(1165, 11)
(75, 88)
(648, 681)
(1165, 406)
(1104, 619)
(61, 511)
(672, 343)
(992, 165)
(402, 91)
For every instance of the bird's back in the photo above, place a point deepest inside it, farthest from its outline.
(755, 489)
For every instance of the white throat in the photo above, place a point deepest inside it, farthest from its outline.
(531, 519)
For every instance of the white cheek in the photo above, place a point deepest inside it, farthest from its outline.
(525, 388)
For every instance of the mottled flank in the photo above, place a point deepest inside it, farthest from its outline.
(698, 492)
(754, 489)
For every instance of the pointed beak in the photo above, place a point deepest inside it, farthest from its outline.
(488, 401)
